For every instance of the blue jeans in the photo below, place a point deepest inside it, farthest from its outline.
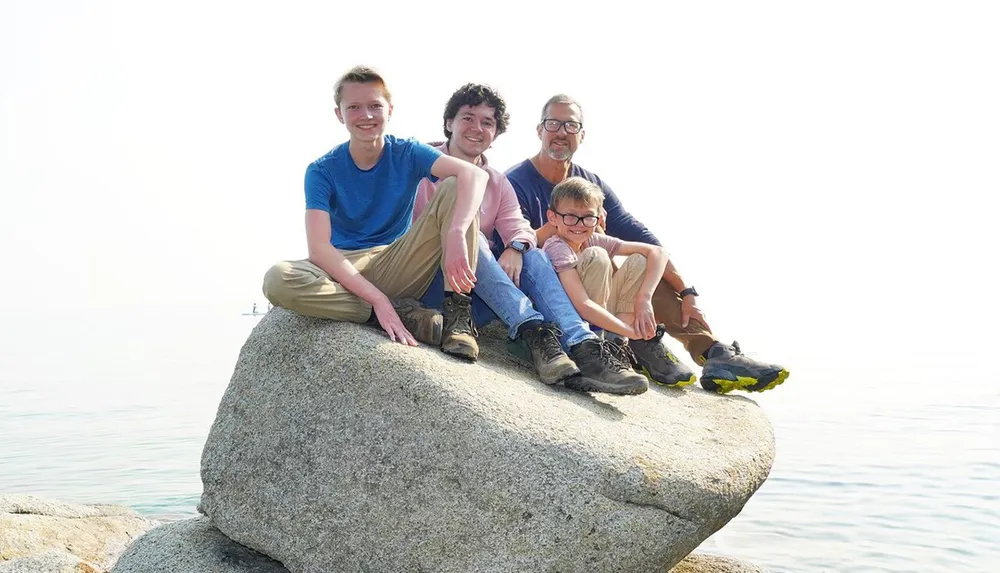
(541, 283)
(494, 297)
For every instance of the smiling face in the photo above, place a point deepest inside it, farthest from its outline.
(364, 110)
(472, 131)
(580, 214)
(561, 145)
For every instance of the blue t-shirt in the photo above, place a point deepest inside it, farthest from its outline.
(533, 192)
(374, 207)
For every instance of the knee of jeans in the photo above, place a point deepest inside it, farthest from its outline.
(595, 257)
(536, 258)
(275, 280)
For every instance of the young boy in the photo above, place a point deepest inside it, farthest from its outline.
(620, 300)
(367, 263)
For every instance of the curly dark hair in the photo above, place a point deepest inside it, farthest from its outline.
(473, 95)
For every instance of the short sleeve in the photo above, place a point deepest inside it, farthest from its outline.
(319, 189)
(562, 256)
(424, 157)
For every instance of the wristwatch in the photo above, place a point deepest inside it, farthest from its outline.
(688, 291)
(519, 246)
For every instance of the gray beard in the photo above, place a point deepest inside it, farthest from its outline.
(559, 155)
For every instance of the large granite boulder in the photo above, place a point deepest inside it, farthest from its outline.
(196, 546)
(192, 546)
(334, 449)
(39, 534)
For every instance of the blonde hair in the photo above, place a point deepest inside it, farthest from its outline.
(578, 190)
(360, 75)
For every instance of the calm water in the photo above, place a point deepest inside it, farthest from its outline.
(902, 476)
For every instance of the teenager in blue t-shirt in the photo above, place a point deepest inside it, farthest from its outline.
(560, 130)
(367, 262)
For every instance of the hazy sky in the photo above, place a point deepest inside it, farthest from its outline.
(825, 173)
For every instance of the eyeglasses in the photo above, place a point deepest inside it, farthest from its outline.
(554, 125)
(570, 219)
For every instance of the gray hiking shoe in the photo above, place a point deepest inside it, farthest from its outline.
(727, 369)
(424, 323)
(603, 370)
(656, 362)
(459, 336)
(551, 363)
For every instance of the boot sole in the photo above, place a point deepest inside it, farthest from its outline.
(673, 384)
(585, 384)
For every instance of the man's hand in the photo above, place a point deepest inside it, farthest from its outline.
(689, 310)
(393, 326)
(511, 262)
(644, 322)
(457, 271)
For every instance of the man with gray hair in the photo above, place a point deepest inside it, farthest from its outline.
(724, 367)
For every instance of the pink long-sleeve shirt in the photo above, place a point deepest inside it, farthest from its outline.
(499, 210)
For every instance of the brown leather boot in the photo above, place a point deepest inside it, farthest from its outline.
(459, 336)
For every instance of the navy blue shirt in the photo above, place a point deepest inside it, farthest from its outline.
(373, 207)
(533, 192)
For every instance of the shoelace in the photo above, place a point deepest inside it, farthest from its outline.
(624, 353)
(620, 356)
(549, 344)
(459, 318)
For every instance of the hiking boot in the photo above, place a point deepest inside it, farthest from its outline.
(727, 368)
(656, 362)
(603, 370)
(551, 363)
(459, 336)
(424, 323)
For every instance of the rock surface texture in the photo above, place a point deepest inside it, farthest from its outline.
(42, 535)
(192, 546)
(336, 450)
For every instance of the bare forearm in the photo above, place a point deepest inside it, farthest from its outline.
(471, 188)
(330, 260)
(599, 316)
(656, 265)
(673, 278)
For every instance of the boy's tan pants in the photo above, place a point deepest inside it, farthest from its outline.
(404, 268)
(615, 290)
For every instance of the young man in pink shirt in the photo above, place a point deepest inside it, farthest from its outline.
(520, 288)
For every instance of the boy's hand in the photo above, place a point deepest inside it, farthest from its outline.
(391, 324)
(511, 262)
(457, 271)
(644, 322)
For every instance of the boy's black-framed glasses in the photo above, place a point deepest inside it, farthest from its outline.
(554, 125)
(571, 219)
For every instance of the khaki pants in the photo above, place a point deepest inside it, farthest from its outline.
(615, 290)
(404, 268)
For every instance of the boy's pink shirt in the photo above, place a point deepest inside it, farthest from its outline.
(500, 209)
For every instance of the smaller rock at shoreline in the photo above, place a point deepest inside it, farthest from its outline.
(41, 535)
(48, 562)
(705, 563)
(192, 546)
